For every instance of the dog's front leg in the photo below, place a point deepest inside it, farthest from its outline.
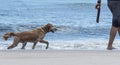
(46, 42)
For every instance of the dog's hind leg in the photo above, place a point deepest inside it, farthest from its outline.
(34, 45)
(23, 45)
(15, 43)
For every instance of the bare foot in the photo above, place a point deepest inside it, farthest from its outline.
(110, 48)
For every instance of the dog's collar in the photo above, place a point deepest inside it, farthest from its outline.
(43, 29)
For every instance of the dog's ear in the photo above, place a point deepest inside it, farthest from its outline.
(48, 27)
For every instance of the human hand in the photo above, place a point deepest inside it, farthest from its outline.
(97, 6)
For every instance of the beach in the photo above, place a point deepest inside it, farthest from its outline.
(79, 40)
(59, 57)
(75, 20)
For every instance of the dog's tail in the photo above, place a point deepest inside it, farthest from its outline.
(8, 35)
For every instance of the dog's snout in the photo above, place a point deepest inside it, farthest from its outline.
(56, 29)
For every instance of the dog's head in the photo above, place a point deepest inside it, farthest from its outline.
(7, 35)
(50, 28)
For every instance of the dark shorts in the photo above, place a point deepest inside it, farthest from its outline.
(114, 7)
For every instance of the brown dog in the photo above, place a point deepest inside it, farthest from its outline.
(34, 36)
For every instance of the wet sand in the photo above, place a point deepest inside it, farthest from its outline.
(59, 57)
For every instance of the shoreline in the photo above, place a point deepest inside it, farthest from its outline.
(59, 57)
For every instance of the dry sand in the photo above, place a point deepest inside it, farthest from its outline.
(57, 57)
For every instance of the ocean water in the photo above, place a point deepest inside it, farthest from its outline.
(76, 20)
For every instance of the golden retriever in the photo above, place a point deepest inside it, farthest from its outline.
(34, 36)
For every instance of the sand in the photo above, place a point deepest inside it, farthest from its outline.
(59, 57)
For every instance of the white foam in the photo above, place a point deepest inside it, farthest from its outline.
(82, 44)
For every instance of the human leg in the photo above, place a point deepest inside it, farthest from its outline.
(114, 7)
(113, 32)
